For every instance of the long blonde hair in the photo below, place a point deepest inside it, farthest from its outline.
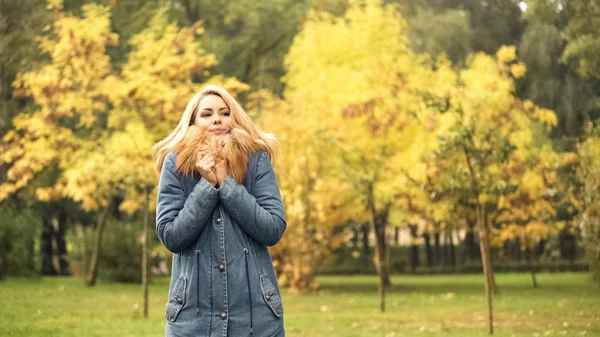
(253, 136)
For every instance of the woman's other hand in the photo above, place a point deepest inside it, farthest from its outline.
(206, 166)
(221, 171)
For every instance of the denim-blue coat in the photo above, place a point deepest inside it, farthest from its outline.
(222, 280)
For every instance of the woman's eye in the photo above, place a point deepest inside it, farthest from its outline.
(226, 113)
(205, 115)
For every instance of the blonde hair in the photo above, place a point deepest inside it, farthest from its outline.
(241, 125)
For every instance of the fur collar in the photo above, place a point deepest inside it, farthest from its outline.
(232, 147)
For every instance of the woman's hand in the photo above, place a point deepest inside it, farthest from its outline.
(221, 171)
(206, 166)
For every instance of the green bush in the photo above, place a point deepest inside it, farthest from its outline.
(18, 253)
(592, 245)
(121, 254)
(343, 262)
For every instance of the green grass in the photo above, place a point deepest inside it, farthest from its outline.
(564, 305)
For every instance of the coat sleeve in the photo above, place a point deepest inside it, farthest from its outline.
(261, 215)
(179, 221)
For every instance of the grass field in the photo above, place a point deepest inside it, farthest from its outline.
(564, 305)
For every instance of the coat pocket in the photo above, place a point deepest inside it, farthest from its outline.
(176, 299)
(271, 296)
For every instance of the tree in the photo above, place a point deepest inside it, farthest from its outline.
(528, 214)
(315, 198)
(68, 97)
(494, 23)
(488, 142)
(144, 95)
(93, 122)
(68, 94)
(589, 198)
(20, 23)
(448, 32)
(250, 38)
(549, 82)
(583, 36)
(367, 99)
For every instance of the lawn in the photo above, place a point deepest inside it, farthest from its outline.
(565, 305)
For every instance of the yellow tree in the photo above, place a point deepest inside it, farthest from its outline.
(148, 97)
(68, 130)
(316, 200)
(158, 80)
(128, 170)
(69, 97)
(492, 133)
(98, 125)
(528, 213)
(68, 94)
(364, 92)
(431, 206)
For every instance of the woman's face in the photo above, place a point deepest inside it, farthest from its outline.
(213, 116)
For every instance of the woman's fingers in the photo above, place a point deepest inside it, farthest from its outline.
(203, 157)
(205, 162)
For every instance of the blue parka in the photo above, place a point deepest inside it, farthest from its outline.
(222, 280)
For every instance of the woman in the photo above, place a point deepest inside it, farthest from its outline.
(222, 280)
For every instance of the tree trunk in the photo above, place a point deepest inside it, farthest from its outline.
(379, 222)
(469, 242)
(365, 229)
(484, 241)
(145, 252)
(567, 243)
(529, 254)
(428, 252)
(540, 247)
(2, 259)
(436, 244)
(486, 263)
(30, 263)
(513, 249)
(61, 245)
(355, 231)
(303, 278)
(365, 237)
(5, 248)
(414, 249)
(382, 262)
(93, 270)
(46, 243)
(397, 236)
(382, 258)
(193, 13)
(488, 245)
(452, 252)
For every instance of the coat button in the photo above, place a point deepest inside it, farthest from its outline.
(221, 268)
(223, 316)
(179, 300)
(268, 297)
(219, 220)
